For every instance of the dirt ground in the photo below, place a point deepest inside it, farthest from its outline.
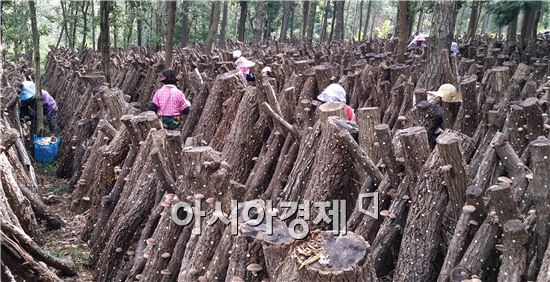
(63, 243)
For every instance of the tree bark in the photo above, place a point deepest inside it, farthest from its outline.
(474, 18)
(37, 77)
(171, 7)
(242, 20)
(260, 21)
(367, 19)
(223, 31)
(441, 37)
(402, 31)
(514, 256)
(360, 35)
(185, 27)
(103, 43)
(311, 21)
(285, 21)
(139, 32)
(85, 26)
(211, 38)
(305, 14)
(339, 28)
(527, 23)
(540, 150)
(511, 31)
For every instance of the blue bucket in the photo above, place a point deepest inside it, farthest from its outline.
(45, 153)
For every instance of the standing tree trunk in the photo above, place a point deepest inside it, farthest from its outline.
(339, 28)
(242, 20)
(221, 39)
(93, 26)
(372, 25)
(331, 36)
(360, 20)
(474, 18)
(291, 23)
(103, 43)
(85, 24)
(512, 30)
(402, 31)
(74, 15)
(130, 10)
(171, 10)
(441, 36)
(185, 23)
(158, 25)
(260, 22)
(37, 80)
(311, 21)
(535, 24)
(213, 27)
(420, 20)
(305, 14)
(367, 19)
(285, 21)
(64, 13)
(139, 32)
(325, 21)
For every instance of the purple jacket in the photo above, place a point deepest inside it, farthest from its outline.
(49, 103)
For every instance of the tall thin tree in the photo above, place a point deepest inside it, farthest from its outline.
(285, 21)
(339, 29)
(260, 21)
(213, 27)
(311, 21)
(360, 19)
(305, 14)
(402, 31)
(104, 45)
(367, 19)
(420, 21)
(85, 6)
(185, 27)
(474, 18)
(324, 25)
(37, 76)
(242, 20)
(223, 26)
(171, 11)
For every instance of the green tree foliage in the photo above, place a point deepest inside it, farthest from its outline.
(16, 26)
(505, 11)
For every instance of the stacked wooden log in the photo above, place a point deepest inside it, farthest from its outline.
(460, 186)
(21, 207)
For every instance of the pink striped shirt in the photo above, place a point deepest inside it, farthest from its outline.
(170, 101)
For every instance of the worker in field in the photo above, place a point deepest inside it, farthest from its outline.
(27, 96)
(455, 49)
(335, 92)
(169, 102)
(243, 65)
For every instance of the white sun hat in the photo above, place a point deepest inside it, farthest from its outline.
(237, 54)
(334, 92)
(244, 62)
(448, 94)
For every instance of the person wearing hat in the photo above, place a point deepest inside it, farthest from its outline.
(243, 65)
(335, 92)
(447, 92)
(455, 50)
(27, 96)
(169, 102)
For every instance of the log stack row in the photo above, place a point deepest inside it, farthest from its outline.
(21, 208)
(461, 188)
